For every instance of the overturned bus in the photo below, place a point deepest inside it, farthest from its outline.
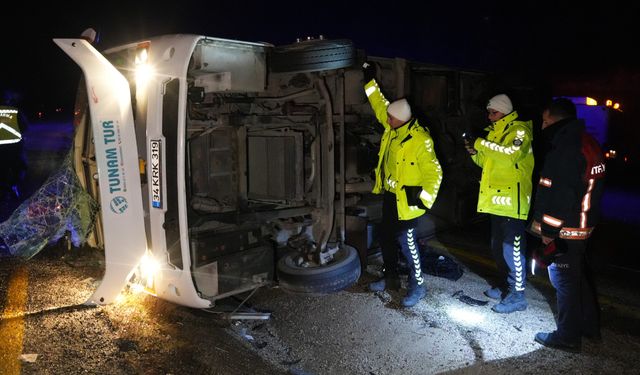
(224, 165)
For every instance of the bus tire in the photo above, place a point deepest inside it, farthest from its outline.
(337, 275)
(312, 55)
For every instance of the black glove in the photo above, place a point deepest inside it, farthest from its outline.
(468, 137)
(413, 196)
(369, 71)
(469, 140)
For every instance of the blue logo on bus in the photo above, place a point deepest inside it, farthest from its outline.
(119, 204)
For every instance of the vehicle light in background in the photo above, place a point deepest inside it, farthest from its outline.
(591, 101)
(612, 104)
(465, 316)
(143, 69)
(611, 154)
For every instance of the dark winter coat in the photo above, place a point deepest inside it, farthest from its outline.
(571, 182)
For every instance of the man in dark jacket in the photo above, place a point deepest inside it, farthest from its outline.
(565, 211)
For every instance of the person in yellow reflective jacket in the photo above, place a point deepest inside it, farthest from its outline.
(12, 126)
(506, 159)
(408, 175)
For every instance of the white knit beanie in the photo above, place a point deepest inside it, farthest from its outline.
(400, 109)
(501, 103)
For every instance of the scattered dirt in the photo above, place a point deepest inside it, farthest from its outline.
(358, 332)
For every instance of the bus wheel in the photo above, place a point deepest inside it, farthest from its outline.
(342, 272)
(313, 55)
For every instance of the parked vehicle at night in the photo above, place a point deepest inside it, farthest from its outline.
(223, 165)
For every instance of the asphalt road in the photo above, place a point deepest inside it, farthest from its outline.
(46, 329)
(615, 277)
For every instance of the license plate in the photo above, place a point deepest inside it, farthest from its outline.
(156, 173)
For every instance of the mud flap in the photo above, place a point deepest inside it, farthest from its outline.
(117, 160)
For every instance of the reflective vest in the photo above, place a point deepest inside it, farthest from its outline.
(506, 159)
(410, 149)
(9, 127)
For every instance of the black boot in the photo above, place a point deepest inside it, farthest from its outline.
(414, 294)
(387, 282)
(514, 301)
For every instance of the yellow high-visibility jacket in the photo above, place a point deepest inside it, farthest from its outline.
(9, 125)
(416, 164)
(506, 158)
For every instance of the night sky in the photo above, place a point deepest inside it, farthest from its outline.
(583, 44)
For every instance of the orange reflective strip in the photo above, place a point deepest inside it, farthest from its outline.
(565, 233)
(586, 204)
(536, 227)
(575, 233)
(552, 221)
(545, 182)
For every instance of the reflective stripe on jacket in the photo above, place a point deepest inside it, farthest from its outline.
(506, 159)
(416, 161)
(9, 126)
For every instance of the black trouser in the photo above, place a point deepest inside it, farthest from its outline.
(509, 245)
(403, 232)
(575, 292)
(13, 164)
